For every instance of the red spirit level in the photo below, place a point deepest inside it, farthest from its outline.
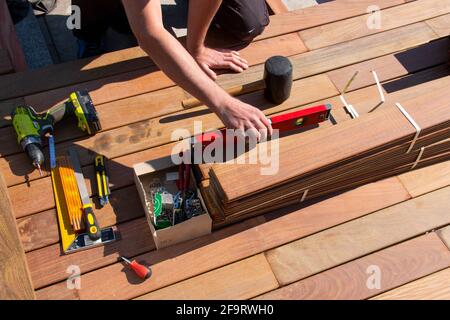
(284, 123)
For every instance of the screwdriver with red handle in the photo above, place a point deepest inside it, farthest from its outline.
(141, 271)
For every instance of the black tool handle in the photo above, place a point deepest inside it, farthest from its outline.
(91, 223)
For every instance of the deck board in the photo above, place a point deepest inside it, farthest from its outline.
(440, 25)
(435, 286)
(360, 26)
(357, 238)
(241, 280)
(350, 281)
(322, 14)
(14, 274)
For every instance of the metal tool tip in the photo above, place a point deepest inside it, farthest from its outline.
(38, 166)
(125, 260)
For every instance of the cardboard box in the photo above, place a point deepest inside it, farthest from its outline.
(163, 169)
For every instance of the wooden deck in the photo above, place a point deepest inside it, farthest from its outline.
(398, 228)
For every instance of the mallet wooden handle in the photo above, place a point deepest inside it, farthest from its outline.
(233, 91)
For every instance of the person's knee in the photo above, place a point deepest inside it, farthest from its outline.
(244, 19)
(253, 28)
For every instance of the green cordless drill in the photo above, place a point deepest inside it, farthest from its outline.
(31, 127)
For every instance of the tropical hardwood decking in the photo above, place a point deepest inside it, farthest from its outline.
(330, 249)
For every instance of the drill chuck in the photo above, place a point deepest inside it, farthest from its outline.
(34, 152)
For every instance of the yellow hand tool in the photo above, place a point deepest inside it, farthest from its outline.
(102, 180)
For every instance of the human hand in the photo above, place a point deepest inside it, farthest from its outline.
(245, 118)
(209, 59)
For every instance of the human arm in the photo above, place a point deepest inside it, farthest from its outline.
(146, 21)
(201, 14)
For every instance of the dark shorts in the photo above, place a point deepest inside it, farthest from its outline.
(243, 19)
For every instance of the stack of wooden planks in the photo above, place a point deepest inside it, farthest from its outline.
(390, 141)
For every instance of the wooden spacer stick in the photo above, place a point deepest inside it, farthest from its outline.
(233, 91)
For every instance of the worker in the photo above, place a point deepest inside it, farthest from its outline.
(191, 68)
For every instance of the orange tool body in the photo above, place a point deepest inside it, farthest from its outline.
(141, 271)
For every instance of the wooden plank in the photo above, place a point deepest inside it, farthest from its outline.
(10, 42)
(362, 26)
(344, 54)
(426, 179)
(436, 286)
(72, 72)
(440, 25)
(444, 234)
(48, 265)
(241, 280)
(238, 241)
(5, 62)
(322, 14)
(369, 47)
(38, 230)
(392, 66)
(277, 6)
(357, 238)
(150, 79)
(124, 205)
(14, 273)
(395, 266)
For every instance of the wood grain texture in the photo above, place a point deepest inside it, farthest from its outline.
(322, 14)
(369, 47)
(435, 286)
(73, 72)
(277, 6)
(391, 66)
(440, 25)
(357, 238)
(395, 266)
(241, 280)
(365, 25)
(14, 275)
(444, 234)
(238, 241)
(426, 179)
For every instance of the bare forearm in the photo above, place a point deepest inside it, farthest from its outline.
(146, 22)
(179, 65)
(201, 14)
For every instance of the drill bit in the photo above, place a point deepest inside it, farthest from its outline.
(38, 166)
